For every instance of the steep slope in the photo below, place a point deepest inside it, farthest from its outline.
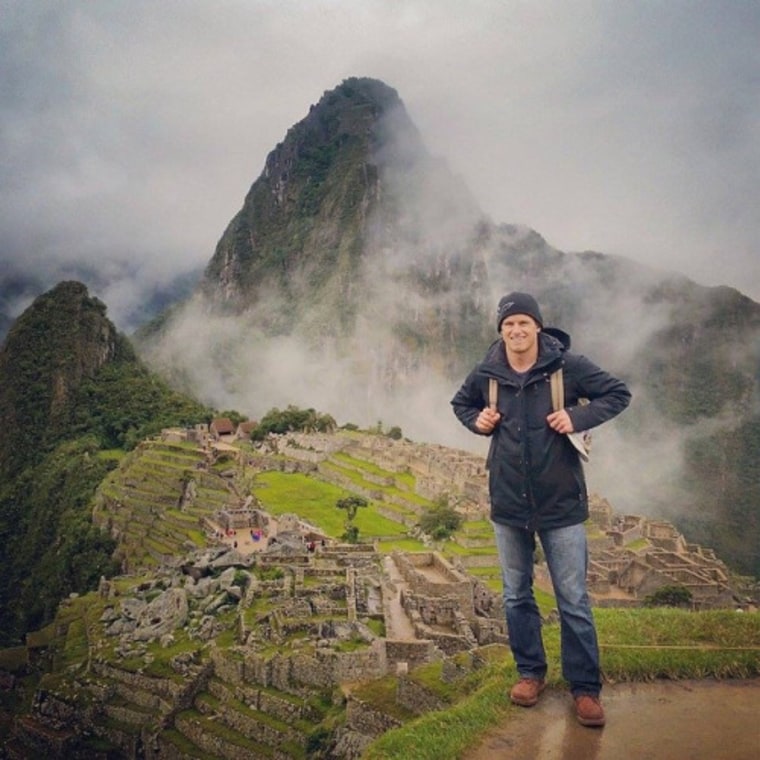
(60, 340)
(346, 244)
(340, 188)
(70, 387)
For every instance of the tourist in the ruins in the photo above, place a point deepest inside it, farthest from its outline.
(537, 488)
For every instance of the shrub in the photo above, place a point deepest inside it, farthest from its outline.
(669, 596)
(440, 521)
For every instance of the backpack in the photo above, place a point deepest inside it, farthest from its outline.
(581, 439)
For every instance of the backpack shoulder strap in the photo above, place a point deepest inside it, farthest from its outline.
(558, 390)
(493, 393)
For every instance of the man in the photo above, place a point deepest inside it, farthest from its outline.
(537, 487)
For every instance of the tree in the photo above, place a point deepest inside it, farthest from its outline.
(352, 505)
(441, 520)
(669, 596)
(292, 420)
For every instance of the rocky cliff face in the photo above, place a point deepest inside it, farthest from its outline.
(341, 230)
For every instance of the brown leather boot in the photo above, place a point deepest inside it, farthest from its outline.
(526, 691)
(589, 710)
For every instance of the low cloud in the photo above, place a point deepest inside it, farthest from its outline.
(131, 132)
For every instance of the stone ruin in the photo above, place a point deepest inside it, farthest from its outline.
(618, 576)
(292, 614)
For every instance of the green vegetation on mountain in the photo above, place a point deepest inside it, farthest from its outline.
(290, 419)
(724, 482)
(301, 227)
(48, 545)
(125, 403)
(71, 389)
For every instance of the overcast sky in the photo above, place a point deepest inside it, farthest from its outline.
(131, 130)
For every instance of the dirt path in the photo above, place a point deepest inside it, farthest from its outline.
(398, 625)
(667, 720)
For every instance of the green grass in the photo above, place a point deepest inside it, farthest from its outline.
(363, 464)
(400, 544)
(453, 548)
(444, 735)
(314, 501)
(75, 649)
(670, 643)
(476, 528)
(636, 645)
(183, 744)
(111, 455)
(390, 491)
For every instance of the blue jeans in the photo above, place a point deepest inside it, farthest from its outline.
(567, 557)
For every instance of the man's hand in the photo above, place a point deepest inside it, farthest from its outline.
(487, 420)
(561, 422)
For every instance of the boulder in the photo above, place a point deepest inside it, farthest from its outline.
(163, 615)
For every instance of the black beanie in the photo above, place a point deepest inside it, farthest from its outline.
(518, 303)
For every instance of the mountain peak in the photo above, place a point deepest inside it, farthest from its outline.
(61, 339)
(308, 216)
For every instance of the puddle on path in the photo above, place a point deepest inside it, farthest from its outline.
(666, 720)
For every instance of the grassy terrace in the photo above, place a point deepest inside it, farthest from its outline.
(479, 530)
(182, 744)
(403, 482)
(391, 493)
(211, 705)
(148, 487)
(224, 734)
(314, 500)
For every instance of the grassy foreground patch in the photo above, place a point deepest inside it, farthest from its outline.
(636, 645)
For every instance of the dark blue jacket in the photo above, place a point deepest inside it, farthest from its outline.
(536, 478)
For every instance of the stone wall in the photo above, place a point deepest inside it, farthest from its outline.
(326, 667)
(451, 583)
(267, 463)
(364, 719)
(415, 697)
(267, 732)
(413, 653)
(217, 746)
(391, 514)
(162, 687)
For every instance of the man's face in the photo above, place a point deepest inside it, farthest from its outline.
(520, 333)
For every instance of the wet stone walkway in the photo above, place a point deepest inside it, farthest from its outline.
(665, 720)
